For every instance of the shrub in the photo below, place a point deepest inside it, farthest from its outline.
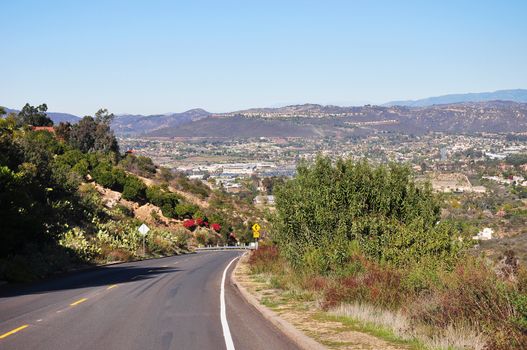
(167, 201)
(140, 165)
(381, 208)
(261, 259)
(76, 240)
(186, 210)
(472, 294)
(376, 284)
(134, 189)
(189, 224)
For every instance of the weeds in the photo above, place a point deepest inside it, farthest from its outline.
(468, 307)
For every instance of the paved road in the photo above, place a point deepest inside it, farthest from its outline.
(168, 303)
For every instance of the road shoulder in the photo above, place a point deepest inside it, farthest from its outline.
(300, 318)
(241, 279)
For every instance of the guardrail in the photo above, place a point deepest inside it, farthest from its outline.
(228, 247)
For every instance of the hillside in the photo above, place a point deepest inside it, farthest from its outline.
(237, 126)
(130, 124)
(313, 120)
(320, 121)
(68, 198)
(517, 95)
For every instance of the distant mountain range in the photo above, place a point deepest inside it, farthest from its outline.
(505, 112)
(311, 120)
(518, 95)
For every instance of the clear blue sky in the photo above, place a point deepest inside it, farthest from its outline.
(163, 56)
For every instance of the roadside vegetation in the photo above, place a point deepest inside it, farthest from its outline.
(53, 213)
(369, 245)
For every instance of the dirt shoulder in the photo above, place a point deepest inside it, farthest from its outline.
(300, 310)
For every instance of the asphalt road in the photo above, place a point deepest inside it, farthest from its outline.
(168, 303)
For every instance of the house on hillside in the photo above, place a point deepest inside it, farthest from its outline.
(484, 235)
(43, 128)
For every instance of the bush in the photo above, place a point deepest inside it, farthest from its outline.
(102, 174)
(75, 240)
(189, 224)
(139, 165)
(167, 201)
(381, 208)
(186, 210)
(193, 186)
(134, 189)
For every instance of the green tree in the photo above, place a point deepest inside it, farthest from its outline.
(329, 206)
(36, 116)
(82, 136)
(94, 134)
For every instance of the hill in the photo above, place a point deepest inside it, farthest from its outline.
(517, 95)
(130, 124)
(320, 121)
(237, 126)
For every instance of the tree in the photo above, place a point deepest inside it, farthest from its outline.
(63, 131)
(2, 111)
(105, 140)
(35, 116)
(82, 136)
(94, 134)
(103, 117)
(329, 206)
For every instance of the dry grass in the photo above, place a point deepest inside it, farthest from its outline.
(394, 321)
(452, 337)
(457, 337)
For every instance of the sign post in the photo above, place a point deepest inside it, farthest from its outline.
(143, 230)
(256, 233)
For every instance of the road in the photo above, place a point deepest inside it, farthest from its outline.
(168, 303)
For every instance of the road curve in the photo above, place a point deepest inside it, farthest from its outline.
(168, 303)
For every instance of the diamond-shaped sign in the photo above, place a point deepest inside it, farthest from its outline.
(256, 227)
(143, 229)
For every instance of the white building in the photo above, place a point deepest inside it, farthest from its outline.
(484, 235)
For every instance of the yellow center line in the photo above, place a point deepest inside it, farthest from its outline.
(79, 301)
(112, 286)
(5, 335)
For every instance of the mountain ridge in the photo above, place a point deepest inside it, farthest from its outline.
(516, 95)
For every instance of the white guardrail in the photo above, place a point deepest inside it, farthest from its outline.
(227, 247)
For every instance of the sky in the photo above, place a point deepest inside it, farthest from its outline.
(146, 57)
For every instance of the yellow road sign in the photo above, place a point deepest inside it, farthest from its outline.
(256, 234)
(256, 227)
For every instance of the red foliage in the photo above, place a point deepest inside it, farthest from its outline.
(265, 255)
(216, 227)
(200, 222)
(189, 224)
(379, 285)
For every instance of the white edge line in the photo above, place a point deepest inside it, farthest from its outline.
(224, 324)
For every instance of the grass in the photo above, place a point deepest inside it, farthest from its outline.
(373, 329)
(395, 327)
(270, 303)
